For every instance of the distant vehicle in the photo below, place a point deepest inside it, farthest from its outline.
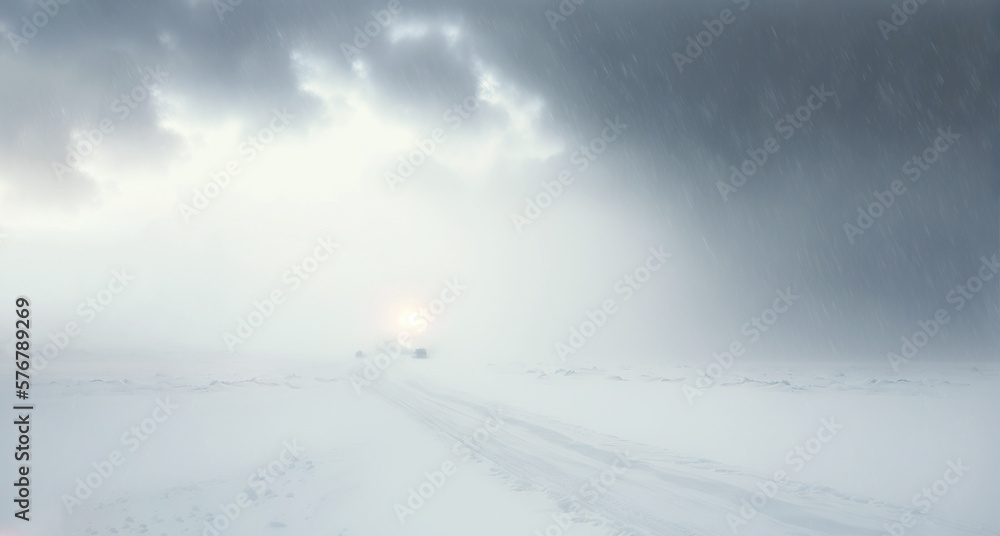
(420, 353)
(359, 354)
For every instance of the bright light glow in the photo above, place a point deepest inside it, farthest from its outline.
(409, 319)
(402, 31)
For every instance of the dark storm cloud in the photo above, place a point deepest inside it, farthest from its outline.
(783, 227)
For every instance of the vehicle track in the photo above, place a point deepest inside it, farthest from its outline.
(660, 493)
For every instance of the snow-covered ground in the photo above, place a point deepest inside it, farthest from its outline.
(433, 447)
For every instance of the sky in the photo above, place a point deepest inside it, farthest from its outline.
(487, 177)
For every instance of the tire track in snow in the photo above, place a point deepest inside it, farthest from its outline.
(661, 493)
